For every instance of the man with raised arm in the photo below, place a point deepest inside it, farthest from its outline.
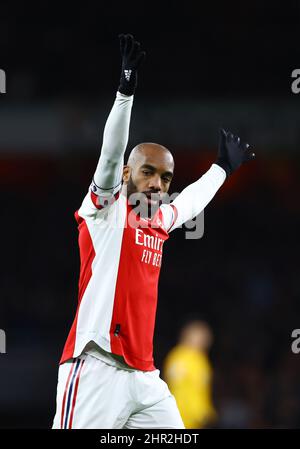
(107, 377)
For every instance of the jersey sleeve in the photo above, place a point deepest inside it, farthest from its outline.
(193, 199)
(94, 204)
(108, 174)
(107, 180)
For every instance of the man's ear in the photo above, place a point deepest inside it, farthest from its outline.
(126, 173)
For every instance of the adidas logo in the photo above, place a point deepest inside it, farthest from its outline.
(127, 74)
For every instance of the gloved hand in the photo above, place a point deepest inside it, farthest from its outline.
(132, 56)
(232, 153)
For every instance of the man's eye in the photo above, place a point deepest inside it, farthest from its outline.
(166, 179)
(146, 172)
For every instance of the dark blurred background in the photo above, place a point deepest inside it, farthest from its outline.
(219, 65)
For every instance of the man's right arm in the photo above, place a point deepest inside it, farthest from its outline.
(108, 175)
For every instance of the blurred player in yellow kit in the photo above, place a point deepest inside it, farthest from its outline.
(188, 373)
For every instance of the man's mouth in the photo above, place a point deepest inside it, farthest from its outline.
(152, 198)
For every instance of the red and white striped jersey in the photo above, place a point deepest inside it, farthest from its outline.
(120, 256)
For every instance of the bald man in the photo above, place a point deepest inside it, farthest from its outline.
(107, 377)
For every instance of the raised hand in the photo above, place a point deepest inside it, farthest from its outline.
(132, 57)
(232, 153)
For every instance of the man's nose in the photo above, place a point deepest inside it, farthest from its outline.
(155, 183)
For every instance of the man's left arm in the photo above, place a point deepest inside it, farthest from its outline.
(232, 153)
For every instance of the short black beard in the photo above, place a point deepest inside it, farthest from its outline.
(145, 210)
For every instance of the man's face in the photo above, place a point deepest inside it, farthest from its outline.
(149, 179)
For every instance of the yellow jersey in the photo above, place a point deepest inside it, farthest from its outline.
(188, 373)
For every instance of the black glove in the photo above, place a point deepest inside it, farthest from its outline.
(232, 152)
(132, 56)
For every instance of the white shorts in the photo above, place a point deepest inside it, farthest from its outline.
(94, 395)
